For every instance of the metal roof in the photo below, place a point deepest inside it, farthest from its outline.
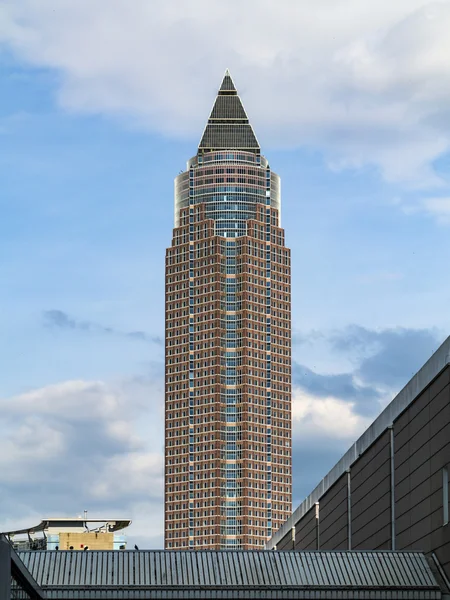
(231, 574)
(422, 379)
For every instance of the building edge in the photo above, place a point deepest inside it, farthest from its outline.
(417, 384)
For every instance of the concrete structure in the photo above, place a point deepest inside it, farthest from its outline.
(71, 533)
(228, 344)
(391, 489)
(233, 574)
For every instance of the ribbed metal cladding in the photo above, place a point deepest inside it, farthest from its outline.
(228, 107)
(220, 136)
(228, 126)
(227, 83)
(354, 572)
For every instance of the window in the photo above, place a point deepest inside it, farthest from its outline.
(445, 496)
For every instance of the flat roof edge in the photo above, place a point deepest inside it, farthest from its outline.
(417, 384)
(118, 524)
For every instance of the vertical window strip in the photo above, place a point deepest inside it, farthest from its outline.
(445, 495)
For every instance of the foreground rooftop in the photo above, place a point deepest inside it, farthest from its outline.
(231, 574)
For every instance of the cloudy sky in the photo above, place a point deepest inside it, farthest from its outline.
(101, 104)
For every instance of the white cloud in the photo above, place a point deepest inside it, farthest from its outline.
(325, 417)
(76, 400)
(82, 444)
(438, 208)
(99, 446)
(365, 82)
(140, 472)
(26, 447)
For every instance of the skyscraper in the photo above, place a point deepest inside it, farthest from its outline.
(228, 344)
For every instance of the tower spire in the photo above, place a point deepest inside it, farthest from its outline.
(227, 86)
(228, 127)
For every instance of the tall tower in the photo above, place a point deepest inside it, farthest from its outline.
(228, 344)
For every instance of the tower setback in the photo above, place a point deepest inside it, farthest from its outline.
(228, 344)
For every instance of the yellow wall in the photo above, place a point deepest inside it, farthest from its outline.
(95, 541)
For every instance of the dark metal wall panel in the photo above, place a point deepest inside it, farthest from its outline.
(375, 455)
(306, 531)
(422, 450)
(370, 491)
(439, 402)
(5, 569)
(333, 514)
(286, 543)
(421, 402)
(431, 381)
(371, 497)
(440, 383)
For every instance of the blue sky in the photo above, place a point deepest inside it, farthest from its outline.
(101, 104)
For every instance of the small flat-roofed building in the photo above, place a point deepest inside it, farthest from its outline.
(71, 533)
(390, 491)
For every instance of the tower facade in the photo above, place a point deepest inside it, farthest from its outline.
(228, 344)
